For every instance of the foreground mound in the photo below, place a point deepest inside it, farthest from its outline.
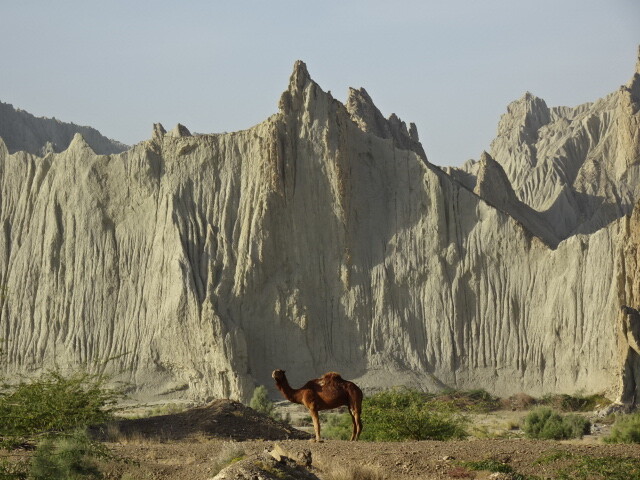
(219, 419)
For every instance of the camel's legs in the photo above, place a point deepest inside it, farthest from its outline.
(316, 423)
(357, 423)
(355, 428)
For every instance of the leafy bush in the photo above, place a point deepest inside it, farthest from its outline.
(544, 423)
(52, 413)
(53, 403)
(260, 402)
(405, 414)
(626, 429)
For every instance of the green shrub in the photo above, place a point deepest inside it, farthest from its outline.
(260, 402)
(626, 429)
(65, 457)
(338, 427)
(52, 413)
(405, 414)
(576, 425)
(53, 403)
(544, 423)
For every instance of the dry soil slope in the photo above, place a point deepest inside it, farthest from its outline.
(305, 243)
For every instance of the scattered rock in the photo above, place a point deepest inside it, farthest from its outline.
(265, 467)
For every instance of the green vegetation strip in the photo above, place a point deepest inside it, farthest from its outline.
(51, 413)
(583, 467)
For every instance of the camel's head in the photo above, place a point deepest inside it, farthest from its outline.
(278, 375)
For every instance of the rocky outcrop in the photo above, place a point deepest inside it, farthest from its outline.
(578, 168)
(313, 241)
(21, 131)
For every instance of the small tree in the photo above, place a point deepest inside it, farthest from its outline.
(260, 401)
(52, 413)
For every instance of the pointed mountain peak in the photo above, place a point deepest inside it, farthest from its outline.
(291, 98)
(299, 77)
(365, 114)
(158, 131)
(529, 111)
(179, 131)
(485, 157)
(493, 184)
(79, 143)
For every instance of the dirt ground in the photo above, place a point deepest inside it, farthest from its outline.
(197, 443)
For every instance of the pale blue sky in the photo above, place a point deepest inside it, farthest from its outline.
(449, 66)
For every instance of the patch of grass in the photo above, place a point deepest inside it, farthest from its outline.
(495, 466)
(489, 465)
(355, 472)
(337, 427)
(406, 414)
(626, 429)
(519, 401)
(553, 456)
(461, 472)
(166, 409)
(230, 452)
(543, 423)
(575, 403)
(512, 425)
(476, 401)
(583, 467)
(66, 457)
(304, 421)
(14, 470)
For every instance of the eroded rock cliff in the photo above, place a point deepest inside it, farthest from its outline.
(320, 239)
(38, 135)
(578, 168)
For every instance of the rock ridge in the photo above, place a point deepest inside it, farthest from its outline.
(22, 131)
(198, 264)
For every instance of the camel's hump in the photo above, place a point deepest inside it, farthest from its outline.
(329, 376)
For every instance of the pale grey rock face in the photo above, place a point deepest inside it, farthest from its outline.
(578, 168)
(21, 131)
(308, 243)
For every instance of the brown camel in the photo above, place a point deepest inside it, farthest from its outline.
(324, 393)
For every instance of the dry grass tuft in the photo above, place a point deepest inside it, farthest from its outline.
(519, 401)
(461, 472)
(230, 452)
(354, 472)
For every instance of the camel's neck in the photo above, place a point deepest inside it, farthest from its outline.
(288, 392)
